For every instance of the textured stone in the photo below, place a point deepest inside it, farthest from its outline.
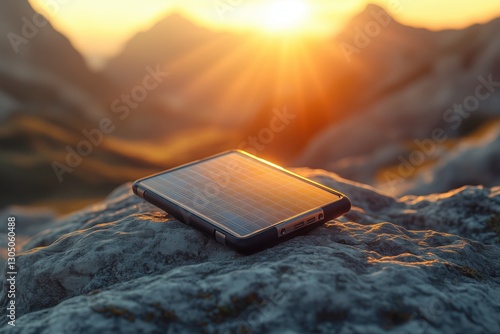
(406, 265)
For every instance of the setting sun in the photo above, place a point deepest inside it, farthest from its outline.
(283, 15)
(100, 34)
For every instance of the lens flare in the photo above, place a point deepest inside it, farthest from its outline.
(283, 15)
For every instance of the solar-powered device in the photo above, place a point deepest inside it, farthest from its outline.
(242, 201)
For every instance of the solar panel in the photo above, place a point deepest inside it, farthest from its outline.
(240, 194)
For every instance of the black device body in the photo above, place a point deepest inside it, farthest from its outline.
(242, 201)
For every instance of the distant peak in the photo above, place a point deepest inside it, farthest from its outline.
(370, 10)
(178, 18)
(373, 6)
(177, 21)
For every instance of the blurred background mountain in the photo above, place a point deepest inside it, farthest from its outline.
(374, 103)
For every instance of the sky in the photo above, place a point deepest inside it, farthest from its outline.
(99, 29)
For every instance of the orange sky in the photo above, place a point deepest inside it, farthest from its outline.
(100, 28)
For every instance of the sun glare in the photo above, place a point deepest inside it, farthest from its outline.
(284, 15)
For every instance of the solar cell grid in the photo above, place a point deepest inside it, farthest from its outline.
(238, 193)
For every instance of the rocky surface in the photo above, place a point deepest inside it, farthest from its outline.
(429, 167)
(473, 161)
(424, 264)
(34, 220)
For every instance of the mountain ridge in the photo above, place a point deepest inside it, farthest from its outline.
(17, 46)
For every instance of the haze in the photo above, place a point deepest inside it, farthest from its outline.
(99, 29)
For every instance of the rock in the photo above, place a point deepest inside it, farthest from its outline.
(30, 221)
(412, 264)
(473, 161)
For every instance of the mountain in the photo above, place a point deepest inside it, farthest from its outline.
(171, 38)
(186, 51)
(47, 99)
(238, 80)
(383, 54)
(39, 81)
(420, 86)
(53, 109)
(28, 41)
(374, 63)
(44, 75)
(372, 90)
